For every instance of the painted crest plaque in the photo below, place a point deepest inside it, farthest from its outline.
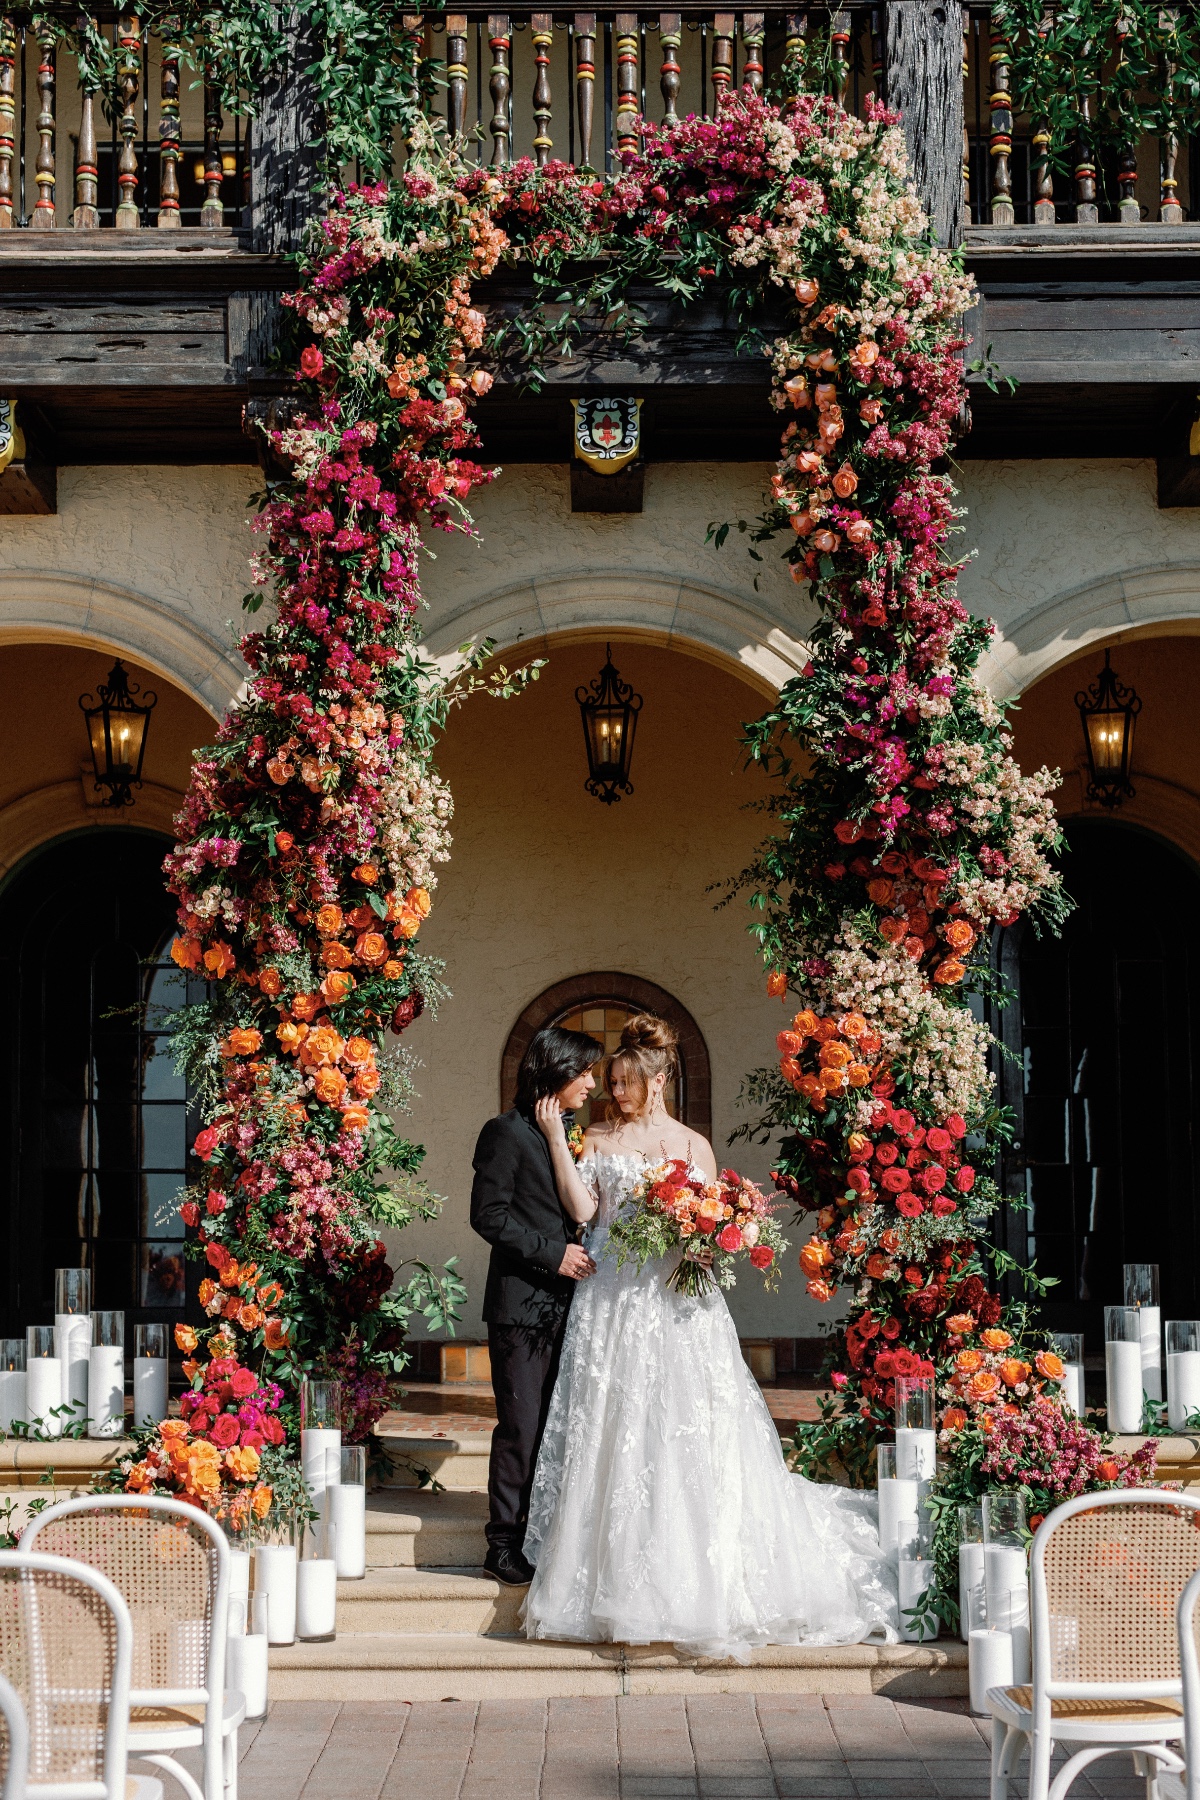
(608, 432)
(8, 432)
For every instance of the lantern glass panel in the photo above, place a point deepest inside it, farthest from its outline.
(1109, 733)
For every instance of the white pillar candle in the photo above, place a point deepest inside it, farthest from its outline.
(897, 1500)
(239, 1591)
(72, 1347)
(916, 1454)
(246, 1671)
(43, 1391)
(347, 1513)
(321, 1460)
(12, 1397)
(970, 1588)
(1183, 1387)
(1006, 1596)
(1150, 1319)
(915, 1579)
(990, 1660)
(106, 1391)
(275, 1582)
(1072, 1389)
(149, 1389)
(316, 1598)
(1123, 1368)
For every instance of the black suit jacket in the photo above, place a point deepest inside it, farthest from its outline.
(515, 1207)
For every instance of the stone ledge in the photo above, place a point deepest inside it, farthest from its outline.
(25, 1463)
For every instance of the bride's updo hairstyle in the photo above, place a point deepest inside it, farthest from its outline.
(648, 1047)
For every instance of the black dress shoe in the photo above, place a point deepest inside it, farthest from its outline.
(506, 1563)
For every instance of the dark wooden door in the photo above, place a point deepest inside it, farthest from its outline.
(1102, 1079)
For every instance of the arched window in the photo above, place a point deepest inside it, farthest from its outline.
(600, 1004)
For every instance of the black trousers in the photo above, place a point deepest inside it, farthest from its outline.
(524, 1367)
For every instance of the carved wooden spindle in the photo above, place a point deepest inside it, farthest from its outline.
(724, 26)
(170, 146)
(1043, 206)
(44, 172)
(839, 44)
(795, 33)
(1128, 210)
(585, 83)
(212, 212)
(129, 75)
(754, 35)
(1001, 124)
(457, 75)
(627, 110)
(542, 40)
(8, 114)
(1086, 210)
(500, 85)
(1169, 209)
(966, 70)
(670, 37)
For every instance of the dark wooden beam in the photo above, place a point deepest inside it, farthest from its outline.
(286, 193)
(923, 71)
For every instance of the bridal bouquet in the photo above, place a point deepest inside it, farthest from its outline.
(672, 1208)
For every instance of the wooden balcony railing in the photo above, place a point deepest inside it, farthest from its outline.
(559, 86)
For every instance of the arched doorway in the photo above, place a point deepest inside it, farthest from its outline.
(93, 1119)
(1103, 1078)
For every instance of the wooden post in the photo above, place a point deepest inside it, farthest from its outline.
(8, 113)
(1001, 124)
(129, 70)
(754, 34)
(924, 83)
(628, 141)
(1043, 206)
(212, 212)
(839, 44)
(585, 83)
(457, 75)
(286, 192)
(500, 86)
(670, 37)
(170, 149)
(724, 27)
(1086, 210)
(1169, 210)
(795, 33)
(43, 211)
(542, 40)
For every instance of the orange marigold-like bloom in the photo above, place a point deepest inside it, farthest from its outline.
(329, 1085)
(328, 920)
(984, 1385)
(185, 1338)
(1049, 1365)
(995, 1338)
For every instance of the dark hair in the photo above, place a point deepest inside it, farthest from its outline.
(553, 1058)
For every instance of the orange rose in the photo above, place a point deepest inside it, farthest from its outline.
(776, 984)
(191, 1368)
(231, 1307)
(242, 1041)
(359, 1053)
(1109, 1469)
(959, 935)
(230, 1276)
(815, 1256)
(306, 1006)
(372, 948)
(335, 955)
(1013, 1371)
(408, 924)
(949, 971)
(329, 1085)
(270, 1295)
(291, 1035)
(805, 1023)
(366, 1083)
(367, 873)
(835, 1055)
(953, 1419)
(878, 1267)
(968, 1361)
(881, 890)
(329, 921)
(985, 1385)
(832, 1080)
(324, 1045)
(891, 930)
(139, 1479)
(185, 1338)
(995, 1338)
(853, 1025)
(203, 1468)
(858, 1075)
(392, 970)
(186, 951)
(250, 1317)
(960, 1323)
(270, 982)
(173, 1430)
(417, 900)
(219, 960)
(208, 1288)
(1049, 1365)
(261, 1502)
(336, 985)
(820, 1290)
(275, 1335)
(355, 1118)
(242, 1462)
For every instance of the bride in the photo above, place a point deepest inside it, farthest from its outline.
(662, 1510)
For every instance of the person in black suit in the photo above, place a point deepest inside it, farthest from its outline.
(534, 1266)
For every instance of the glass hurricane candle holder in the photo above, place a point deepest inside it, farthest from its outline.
(970, 1566)
(151, 1370)
(1183, 1372)
(1068, 1347)
(1006, 1574)
(12, 1382)
(321, 1437)
(916, 1439)
(73, 1335)
(43, 1381)
(1141, 1290)
(106, 1375)
(346, 1515)
(1123, 1368)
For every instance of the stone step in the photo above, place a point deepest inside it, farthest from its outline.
(424, 1601)
(449, 1666)
(414, 1528)
(453, 1452)
(474, 1398)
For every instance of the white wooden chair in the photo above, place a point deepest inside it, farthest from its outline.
(66, 1652)
(14, 1743)
(1106, 1574)
(1184, 1784)
(171, 1562)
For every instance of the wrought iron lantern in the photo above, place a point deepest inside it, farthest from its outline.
(118, 724)
(609, 709)
(1108, 710)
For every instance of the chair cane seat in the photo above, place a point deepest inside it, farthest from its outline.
(1015, 1706)
(143, 1719)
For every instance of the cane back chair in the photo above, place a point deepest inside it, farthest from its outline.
(14, 1743)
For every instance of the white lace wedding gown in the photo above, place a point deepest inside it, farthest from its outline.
(662, 1510)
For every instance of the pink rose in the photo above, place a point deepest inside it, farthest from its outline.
(762, 1257)
(964, 1179)
(730, 1239)
(243, 1383)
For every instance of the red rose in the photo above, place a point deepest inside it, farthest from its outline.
(242, 1383)
(858, 1179)
(886, 1154)
(252, 1440)
(762, 1257)
(189, 1212)
(964, 1179)
(885, 1364)
(206, 1142)
(891, 1329)
(730, 1239)
(933, 1179)
(215, 1201)
(943, 1206)
(909, 1206)
(903, 1362)
(311, 362)
(902, 1121)
(956, 1125)
(225, 1431)
(896, 1180)
(846, 831)
(939, 1139)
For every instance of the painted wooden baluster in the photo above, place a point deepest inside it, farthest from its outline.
(1086, 210)
(457, 75)
(86, 216)
(129, 75)
(1128, 210)
(670, 75)
(1043, 206)
(966, 71)
(212, 212)
(585, 83)
(794, 38)
(1169, 209)
(724, 26)
(500, 85)
(8, 116)
(44, 172)
(170, 146)
(1000, 125)
(542, 40)
(626, 32)
(839, 43)
(754, 35)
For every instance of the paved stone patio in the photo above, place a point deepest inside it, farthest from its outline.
(718, 1747)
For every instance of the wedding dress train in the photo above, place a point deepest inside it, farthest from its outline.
(662, 1510)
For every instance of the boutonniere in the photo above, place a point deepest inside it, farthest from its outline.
(575, 1141)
